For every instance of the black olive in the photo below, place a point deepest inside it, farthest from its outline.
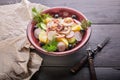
(56, 15)
(35, 27)
(74, 16)
(70, 46)
(57, 50)
(82, 31)
(42, 44)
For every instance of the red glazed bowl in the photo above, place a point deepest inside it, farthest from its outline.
(63, 12)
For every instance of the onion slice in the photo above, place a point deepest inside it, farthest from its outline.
(63, 22)
(66, 31)
(60, 35)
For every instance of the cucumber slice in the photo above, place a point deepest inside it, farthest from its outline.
(42, 26)
(71, 40)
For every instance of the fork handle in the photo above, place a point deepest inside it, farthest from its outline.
(92, 69)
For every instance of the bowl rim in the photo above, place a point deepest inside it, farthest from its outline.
(38, 48)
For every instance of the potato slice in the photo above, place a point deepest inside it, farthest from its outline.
(43, 36)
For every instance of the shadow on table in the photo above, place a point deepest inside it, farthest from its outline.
(58, 67)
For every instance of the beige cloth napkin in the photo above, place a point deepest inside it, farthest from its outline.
(16, 60)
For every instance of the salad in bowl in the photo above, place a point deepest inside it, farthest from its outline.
(58, 31)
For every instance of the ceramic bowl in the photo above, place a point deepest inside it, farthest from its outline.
(63, 12)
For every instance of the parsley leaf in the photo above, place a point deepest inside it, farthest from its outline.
(38, 16)
(51, 46)
(85, 24)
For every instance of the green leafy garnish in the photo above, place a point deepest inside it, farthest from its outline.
(85, 24)
(39, 18)
(41, 25)
(51, 46)
(36, 15)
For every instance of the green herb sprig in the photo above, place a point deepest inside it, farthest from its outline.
(39, 18)
(85, 24)
(51, 46)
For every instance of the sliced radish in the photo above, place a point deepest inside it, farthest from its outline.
(37, 32)
(61, 46)
(78, 36)
(71, 34)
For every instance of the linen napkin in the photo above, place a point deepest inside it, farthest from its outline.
(17, 62)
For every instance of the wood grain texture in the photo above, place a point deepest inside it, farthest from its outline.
(98, 11)
(110, 55)
(62, 73)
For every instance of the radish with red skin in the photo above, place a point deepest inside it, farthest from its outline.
(37, 32)
(61, 46)
(78, 36)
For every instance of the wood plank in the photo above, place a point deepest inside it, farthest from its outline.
(62, 73)
(98, 11)
(102, 11)
(108, 57)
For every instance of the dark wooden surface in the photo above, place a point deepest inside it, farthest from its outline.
(105, 16)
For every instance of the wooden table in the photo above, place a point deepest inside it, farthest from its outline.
(105, 16)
